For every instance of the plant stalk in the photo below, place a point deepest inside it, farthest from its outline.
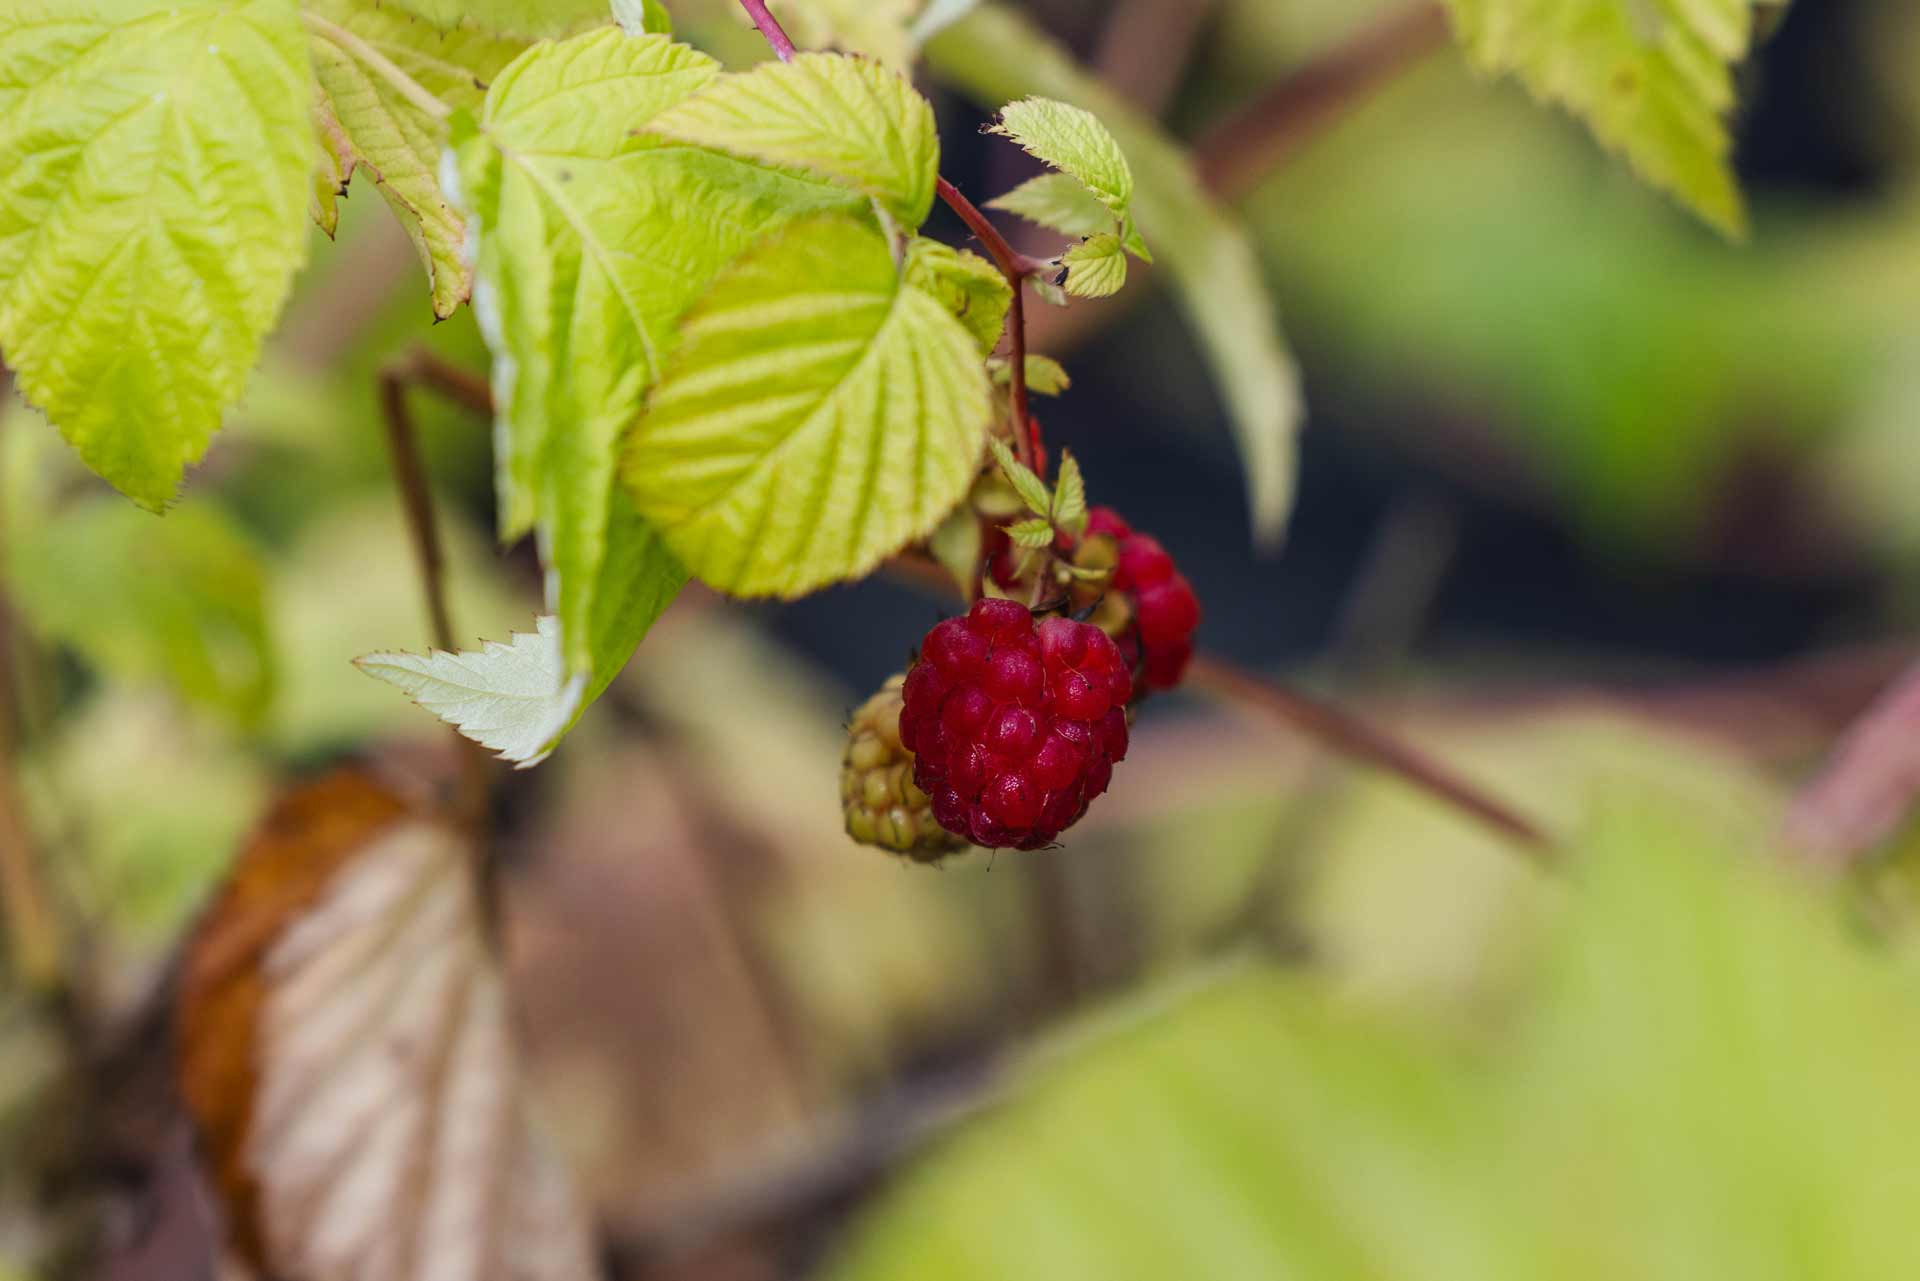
(416, 497)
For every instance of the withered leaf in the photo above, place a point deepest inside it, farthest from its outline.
(346, 1050)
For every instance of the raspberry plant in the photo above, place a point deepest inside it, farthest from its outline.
(723, 347)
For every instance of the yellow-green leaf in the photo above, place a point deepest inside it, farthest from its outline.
(876, 28)
(1031, 534)
(1045, 375)
(971, 287)
(820, 414)
(1096, 267)
(1060, 201)
(1070, 495)
(1032, 490)
(368, 125)
(155, 174)
(592, 238)
(1653, 79)
(846, 119)
(1072, 140)
(533, 19)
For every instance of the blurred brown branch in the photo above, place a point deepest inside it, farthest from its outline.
(1145, 45)
(844, 1158)
(1870, 783)
(1234, 154)
(1355, 738)
(36, 943)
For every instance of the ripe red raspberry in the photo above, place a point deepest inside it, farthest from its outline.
(1015, 728)
(1165, 610)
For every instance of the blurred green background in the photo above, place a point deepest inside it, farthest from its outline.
(1611, 515)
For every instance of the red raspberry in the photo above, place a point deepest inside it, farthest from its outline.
(1015, 728)
(1165, 610)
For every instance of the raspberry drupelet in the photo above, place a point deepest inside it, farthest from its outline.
(1015, 728)
(1165, 611)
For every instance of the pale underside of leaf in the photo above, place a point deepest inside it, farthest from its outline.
(156, 176)
(847, 119)
(1074, 141)
(514, 697)
(592, 241)
(1060, 201)
(819, 415)
(371, 127)
(1652, 79)
(994, 54)
(390, 1139)
(1096, 267)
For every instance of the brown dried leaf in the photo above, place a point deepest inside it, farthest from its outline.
(346, 1050)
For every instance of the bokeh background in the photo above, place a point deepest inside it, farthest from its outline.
(1613, 516)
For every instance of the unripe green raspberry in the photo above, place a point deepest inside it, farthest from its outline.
(883, 806)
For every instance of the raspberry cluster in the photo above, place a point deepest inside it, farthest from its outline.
(1015, 728)
(878, 797)
(1165, 610)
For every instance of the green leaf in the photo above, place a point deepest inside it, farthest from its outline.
(515, 698)
(1096, 267)
(593, 238)
(1070, 495)
(1045, 375)
(1130, 237)
(971, 287)
(819, 414)
(1711, 1078)
(1033, 534)
(179, 599)
(846, 119)
(367, 125)
(153, 195)
(1073, 141)
(994, 54)
(1032, 490)
(1060, 201)
(1242, 1132)
(1652, 79)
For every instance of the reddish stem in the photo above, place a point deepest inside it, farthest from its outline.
(1016, 267)
(770, 28)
